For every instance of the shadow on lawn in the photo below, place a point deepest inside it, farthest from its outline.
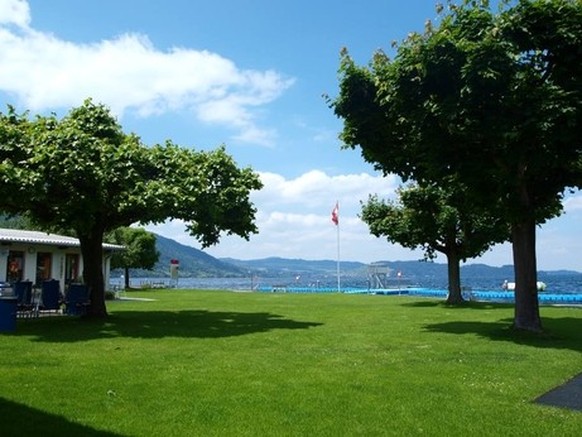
(21, 420)
(559, 333)
(159, 324)
(468, 304)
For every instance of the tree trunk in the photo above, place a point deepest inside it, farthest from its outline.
(454, 271)
(126, 278)
(527, 311)
(92, 250)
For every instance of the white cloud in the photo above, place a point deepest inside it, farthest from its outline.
(15, 12)
(315, 190)
(294, 220)
(128, 73)
(573, 203)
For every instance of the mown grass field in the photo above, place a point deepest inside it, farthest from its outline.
(217, 363)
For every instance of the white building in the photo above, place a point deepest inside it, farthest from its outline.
(38, 256)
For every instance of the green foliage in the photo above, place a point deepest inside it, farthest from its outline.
(16, 222)
(82, 172)
(436, 220)
(491, 100)
(140, 248)
(495, 99)
(85, 173)
(211, 363)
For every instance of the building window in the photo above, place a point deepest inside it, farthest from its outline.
(15, 266)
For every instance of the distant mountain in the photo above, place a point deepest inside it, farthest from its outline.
(198, 264)
(280, 266)
(274, 267)
(193, 263)
(412, 272)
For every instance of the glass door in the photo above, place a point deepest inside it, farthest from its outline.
(71, 268)
(43, 267)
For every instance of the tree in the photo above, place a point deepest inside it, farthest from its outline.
(436, 220)
(491, 100)
(82, 172)
(16, 222)
(140, 250)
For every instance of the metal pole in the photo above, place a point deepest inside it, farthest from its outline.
(338, 259)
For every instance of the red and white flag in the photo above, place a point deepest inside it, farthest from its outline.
(335, 214)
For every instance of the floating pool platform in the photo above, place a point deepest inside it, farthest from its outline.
(477, 295)
(494, 296)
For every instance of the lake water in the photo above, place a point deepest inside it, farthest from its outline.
(555, 283)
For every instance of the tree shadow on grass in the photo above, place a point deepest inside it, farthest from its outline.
(467, 304)
(21, 420)
(559, 333)
(422, 304)
(158, 324)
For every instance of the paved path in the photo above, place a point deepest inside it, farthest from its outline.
(568, 395)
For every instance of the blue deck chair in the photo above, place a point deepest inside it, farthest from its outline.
(50, 296)
(25, 306)
(77, 300)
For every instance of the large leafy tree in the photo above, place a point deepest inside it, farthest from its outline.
(491, 99)
(16, 222)
(436, 220)
(139, 253)
(82, 172)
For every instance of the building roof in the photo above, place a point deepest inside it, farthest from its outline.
(39, 237)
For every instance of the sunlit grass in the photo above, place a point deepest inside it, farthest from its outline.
(223, 363)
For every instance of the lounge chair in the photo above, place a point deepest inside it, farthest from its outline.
(25, 305)
(77, 300)
(50, 296)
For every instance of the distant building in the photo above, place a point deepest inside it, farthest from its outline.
(38, 256)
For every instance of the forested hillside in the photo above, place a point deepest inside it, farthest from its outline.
(198, 264)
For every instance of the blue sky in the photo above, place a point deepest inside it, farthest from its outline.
(247, 74)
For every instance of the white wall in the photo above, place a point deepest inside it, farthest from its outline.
(57, 263)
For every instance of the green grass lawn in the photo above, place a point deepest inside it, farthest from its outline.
(203, 363)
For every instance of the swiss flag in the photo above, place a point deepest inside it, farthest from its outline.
(335, 214)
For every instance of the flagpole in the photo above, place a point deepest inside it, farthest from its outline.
(335, 220)
(338, 259)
